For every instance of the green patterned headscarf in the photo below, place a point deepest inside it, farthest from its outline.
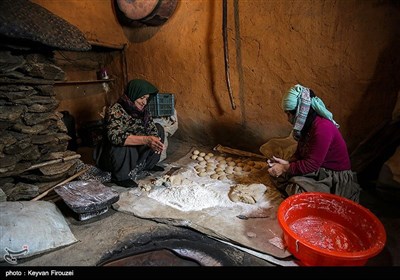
(134, 90)
(298, 98)
(137, 88)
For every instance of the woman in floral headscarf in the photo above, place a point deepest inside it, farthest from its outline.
(133, 142)
(321, 162)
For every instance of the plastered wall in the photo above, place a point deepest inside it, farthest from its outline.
(345, 50)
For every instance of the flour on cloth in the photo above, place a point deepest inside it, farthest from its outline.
(187, 191)
(187, 195)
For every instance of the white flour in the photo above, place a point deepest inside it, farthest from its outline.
(196, 193)
(193, 196)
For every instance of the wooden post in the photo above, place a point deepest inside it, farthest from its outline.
(54, 161)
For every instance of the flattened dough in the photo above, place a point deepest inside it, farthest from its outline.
(249, 194)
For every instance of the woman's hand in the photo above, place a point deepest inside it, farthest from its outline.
(155, 144)
(277, 166)
(152, 141)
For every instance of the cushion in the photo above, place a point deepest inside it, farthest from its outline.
(31, 227)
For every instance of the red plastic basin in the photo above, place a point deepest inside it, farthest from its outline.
(322, 229)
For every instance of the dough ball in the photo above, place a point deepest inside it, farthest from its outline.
(229, 170)
(202, 163)
(229, 167)
(220, 173)
(196, 152)
(222, 177)
(203, 174)
(240, 164)
(214, 176)
(175, 180)
(200, 168)
(237, 160)
(231, 163)
(202, 154)
(145, 188)
(230, 176)
(207, 158)
(247, 168)
(220, 165)
(200, 158)
(219, 158)
(251, 163)
(210, 155)
(193, 157)
(209, 168)
(237, 169)
(219, 169)
(222, 161)
(229, 159)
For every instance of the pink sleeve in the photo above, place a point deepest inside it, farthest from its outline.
(317, 149)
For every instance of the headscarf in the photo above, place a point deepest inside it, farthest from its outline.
(298, 98)
(135, 89)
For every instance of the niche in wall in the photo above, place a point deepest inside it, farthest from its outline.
(93, 81)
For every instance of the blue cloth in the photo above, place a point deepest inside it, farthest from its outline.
(302, 111)
(296, 99)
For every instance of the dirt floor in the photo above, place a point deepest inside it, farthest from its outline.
(106, 239)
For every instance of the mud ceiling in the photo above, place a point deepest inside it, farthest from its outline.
(346, 51)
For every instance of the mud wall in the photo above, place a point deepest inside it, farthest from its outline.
(96, 18)
(345, 50)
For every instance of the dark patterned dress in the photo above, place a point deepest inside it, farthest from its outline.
(125, 162)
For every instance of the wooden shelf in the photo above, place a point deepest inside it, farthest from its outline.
(83, 82)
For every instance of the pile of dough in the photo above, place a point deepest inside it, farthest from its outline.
(200, 156)
(221, 168)
(249, 194)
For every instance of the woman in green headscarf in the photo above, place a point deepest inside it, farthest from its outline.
(132, 142)
(321, 162)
